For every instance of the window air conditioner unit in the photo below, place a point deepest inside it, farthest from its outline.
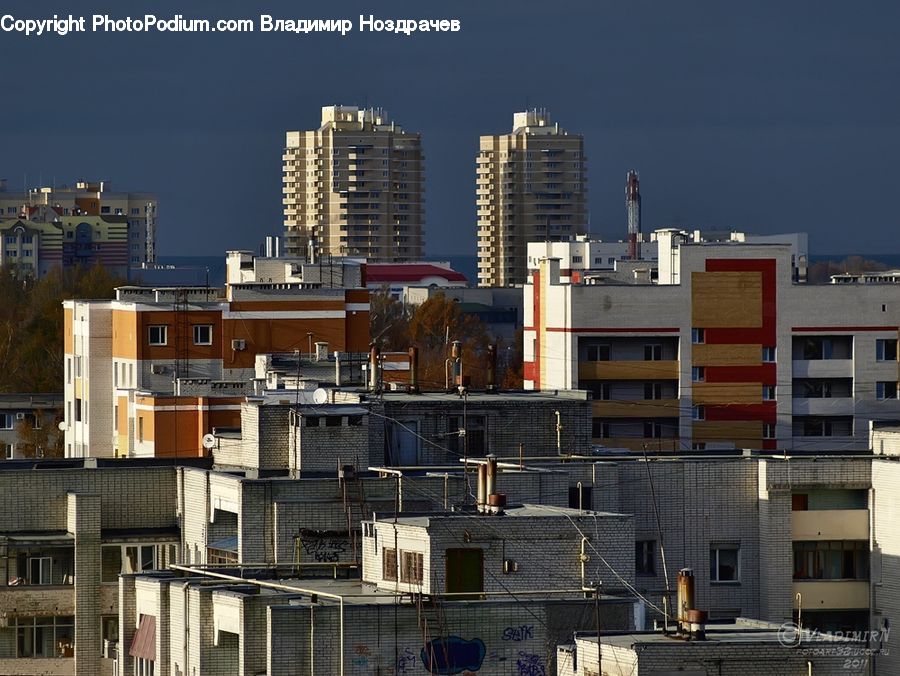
(238, 344)
(20, 416)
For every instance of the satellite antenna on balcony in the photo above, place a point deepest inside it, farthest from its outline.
(320, 396)
(209, 441)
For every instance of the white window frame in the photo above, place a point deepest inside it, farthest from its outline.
(698, 336)
(209, 328)
(715, 549)
(698, 413)
(768, 393)
(769, 354)
(41, 561)
(698, 374)
(164, 329)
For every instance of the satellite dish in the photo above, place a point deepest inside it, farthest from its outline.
(320, 396)
(62, 426)
(208, 441)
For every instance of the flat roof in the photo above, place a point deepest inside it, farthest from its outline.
(479, 397)
(520, 511)
(741, 631)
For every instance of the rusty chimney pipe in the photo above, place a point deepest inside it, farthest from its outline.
(685, 598)
(492, 369)
(456, 356)
(413, 369)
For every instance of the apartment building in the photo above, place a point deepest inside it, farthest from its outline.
(67, 530)
(136, 211)
(133, 361)
(767, 536)
(210, 622)
(355, 187)
(34, 248)
(725, 350)
(531, 185)
(28, 425)
(583, 259)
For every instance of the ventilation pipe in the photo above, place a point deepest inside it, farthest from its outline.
(456, 356)
(492, 369)
(481, 497)
(691, 622)
(414, 369)
(373, 368)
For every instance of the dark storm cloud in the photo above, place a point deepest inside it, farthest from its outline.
(765, 116)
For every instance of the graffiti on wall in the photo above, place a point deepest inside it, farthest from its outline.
(453, 655)
(529, 664)
(524, 632)
(322, 546)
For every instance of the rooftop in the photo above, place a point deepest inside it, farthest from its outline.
(742, 630)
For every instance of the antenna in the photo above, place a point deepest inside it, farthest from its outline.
(209, 441)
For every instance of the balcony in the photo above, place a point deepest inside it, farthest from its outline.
(832, 594)
(36, 601)
(823, 406)
(628, 370)
(830, 524)
(637, 408)
(822, 368)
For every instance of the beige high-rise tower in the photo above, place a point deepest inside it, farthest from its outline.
(530, 185)
(355, 187)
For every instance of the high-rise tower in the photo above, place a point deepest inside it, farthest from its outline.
(354, 187)
(530, 185)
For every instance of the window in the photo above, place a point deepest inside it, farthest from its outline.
(698, 336)
(831, 560)
(652, 352)
(109, 627)
(601, 391)
(411, 567)
(125, 559)
(333, 420)
(581, 497)
(45, 636)
(768, 354)
(598, 353)
(652, 430)
(471, 440)
(644, 557)
(768, 430)
(768, 393)
(40, 570)
(886, 349)
(141, 428)
(10, 451)
(202, 334)
(77, 410)
(311, 421)
(599, 429)
(698, 413)
(159, 334)
(799, 502)
(886, 390)
(652, 390)
(354, 420)
(6, 421)
(698, 446)
(724, 563)
(698, 374)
